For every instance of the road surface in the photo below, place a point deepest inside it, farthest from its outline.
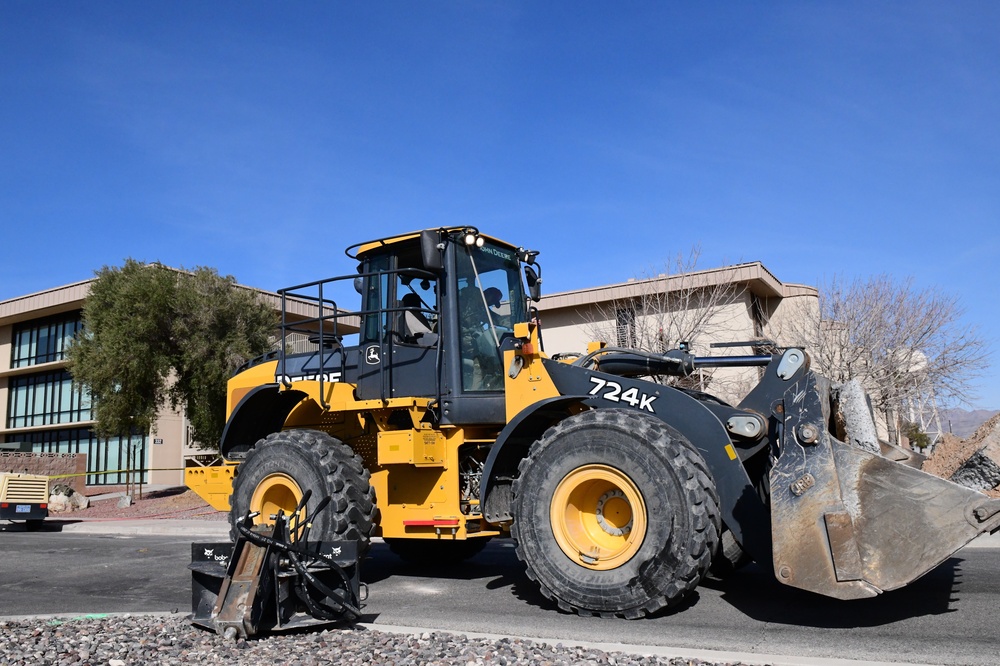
(947, 617)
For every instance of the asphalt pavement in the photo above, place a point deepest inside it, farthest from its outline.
(205, 529)
(220, 528)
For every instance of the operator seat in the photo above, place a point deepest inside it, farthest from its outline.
(417, 329)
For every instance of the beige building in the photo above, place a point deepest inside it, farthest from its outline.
(42, 411)
(734, 304)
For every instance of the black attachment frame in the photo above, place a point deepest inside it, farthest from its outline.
(273, 578)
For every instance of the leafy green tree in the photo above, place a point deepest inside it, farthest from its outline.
(919, 440)
(153, 335)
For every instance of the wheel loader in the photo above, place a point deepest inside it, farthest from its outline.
(431, 417)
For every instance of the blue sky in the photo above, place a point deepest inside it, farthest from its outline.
(261, 138)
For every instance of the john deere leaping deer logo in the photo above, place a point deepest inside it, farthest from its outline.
(371, 355)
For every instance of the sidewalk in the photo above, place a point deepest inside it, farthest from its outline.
(145, 526)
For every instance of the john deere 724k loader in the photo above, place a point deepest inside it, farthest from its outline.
(445, 424)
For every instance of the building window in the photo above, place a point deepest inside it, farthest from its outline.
(47, 398)
(625, 326)
(107, 460)
(43, 340)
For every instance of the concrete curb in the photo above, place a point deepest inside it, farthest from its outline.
(986, 541)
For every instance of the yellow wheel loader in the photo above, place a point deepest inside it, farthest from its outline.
(432, 417)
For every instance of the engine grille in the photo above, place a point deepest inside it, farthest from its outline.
(34, 489)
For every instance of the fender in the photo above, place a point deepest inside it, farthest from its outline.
(512, 446)
(744, 513)
(261, 411)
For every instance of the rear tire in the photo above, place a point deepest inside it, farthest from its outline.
(615, 514)
(729, 557)
(427, 552)
(280, 468)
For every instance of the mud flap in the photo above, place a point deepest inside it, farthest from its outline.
(850, 524)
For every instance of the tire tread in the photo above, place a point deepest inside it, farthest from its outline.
(352, 508)
(699, 493)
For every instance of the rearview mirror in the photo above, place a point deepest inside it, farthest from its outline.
(534, 283)
(432, 251)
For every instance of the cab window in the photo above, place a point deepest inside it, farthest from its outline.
(490, 301)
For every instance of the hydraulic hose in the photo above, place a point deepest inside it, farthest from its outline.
(298, 551)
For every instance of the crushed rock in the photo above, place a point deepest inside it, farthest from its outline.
(171, 640)
(176, 502)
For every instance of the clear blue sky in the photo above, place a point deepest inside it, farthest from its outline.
(261, 138)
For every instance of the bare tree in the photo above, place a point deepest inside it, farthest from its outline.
(907, 346)
(681, 304)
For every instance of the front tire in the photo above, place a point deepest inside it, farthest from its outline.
(615, 513)
(279, 470)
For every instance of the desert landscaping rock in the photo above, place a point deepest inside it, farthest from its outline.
(64, 499)
(141, 640)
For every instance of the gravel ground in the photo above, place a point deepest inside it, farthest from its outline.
(165, 503)
(171, 640)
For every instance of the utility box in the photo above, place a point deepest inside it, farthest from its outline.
(422, 448)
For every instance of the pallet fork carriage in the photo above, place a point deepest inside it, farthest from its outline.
(445, 424)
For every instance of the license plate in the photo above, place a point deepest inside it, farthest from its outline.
(23, 508)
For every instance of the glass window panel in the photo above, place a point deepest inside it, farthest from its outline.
(65, 400)
(85, 403)
(18, 407)
(22, 349)
(44, 351)
(43, 340)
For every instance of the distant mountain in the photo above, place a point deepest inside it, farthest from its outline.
(964, 422)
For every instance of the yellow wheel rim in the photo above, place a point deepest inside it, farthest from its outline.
(276, 492)
(598, 517)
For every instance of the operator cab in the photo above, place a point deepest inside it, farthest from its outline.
(438, 312)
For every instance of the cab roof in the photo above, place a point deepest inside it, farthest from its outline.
(360, 249)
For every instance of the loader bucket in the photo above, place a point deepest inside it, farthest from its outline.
(849, 523)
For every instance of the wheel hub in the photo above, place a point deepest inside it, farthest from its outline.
(275, 493)
(598, 517)
(615, 510)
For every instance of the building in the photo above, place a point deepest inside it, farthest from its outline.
(42, 411)
(709, 310)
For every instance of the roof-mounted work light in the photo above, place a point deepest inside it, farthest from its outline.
(472, 237)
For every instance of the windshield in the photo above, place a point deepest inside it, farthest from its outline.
(490, 300)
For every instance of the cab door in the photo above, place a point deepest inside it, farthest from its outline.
(396, 359)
